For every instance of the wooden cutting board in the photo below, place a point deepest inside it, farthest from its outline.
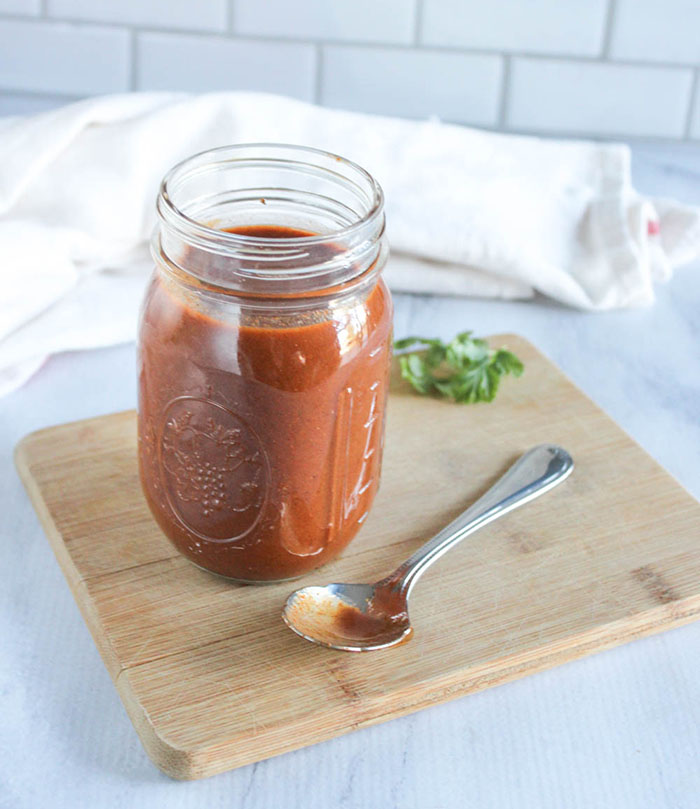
(211, 677)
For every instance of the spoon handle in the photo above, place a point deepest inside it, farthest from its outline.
(533, 474)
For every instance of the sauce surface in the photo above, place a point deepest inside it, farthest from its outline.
(260, 432)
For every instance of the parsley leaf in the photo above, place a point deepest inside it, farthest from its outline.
(465, 369)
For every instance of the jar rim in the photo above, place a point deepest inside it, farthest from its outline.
(171, 213)
(340, 197)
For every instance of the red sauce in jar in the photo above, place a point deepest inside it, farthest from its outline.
(260, 436)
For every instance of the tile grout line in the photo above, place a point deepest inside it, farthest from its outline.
(692, 103)
(609, 25)
(133, 59)
(505, 92)
(318, 74)
(417, 22)
(230, 16)
(13, 91)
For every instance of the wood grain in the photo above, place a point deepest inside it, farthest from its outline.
(211, 677)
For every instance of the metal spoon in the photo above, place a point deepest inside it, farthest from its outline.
(363, 617)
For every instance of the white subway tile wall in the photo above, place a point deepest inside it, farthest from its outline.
(571, 27)
(21, 104)
(595, 99)
(650, 31)
(385, 21)
(201, 63)
(205, 15)
(412, 83)
(608, 68)
(20, 6)
(58, 57)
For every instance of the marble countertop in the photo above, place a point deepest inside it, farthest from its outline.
(619, 729)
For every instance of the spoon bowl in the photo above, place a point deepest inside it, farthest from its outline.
(364, 617)
(350, 617)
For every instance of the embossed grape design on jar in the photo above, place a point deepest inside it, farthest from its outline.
(264, 352)
(214, 469)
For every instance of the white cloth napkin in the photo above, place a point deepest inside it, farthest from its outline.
(468, 212)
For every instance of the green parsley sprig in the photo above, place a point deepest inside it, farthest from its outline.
(465, 369)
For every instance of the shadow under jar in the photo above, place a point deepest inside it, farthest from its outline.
(264, 353)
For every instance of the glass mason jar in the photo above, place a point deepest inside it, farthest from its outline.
(264, 352)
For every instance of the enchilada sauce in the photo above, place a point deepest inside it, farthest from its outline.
(260, 435)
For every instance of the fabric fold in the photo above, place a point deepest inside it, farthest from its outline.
(468, 212)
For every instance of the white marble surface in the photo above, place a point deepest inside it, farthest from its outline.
(620, 729)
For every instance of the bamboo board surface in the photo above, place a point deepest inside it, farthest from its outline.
(212, 679)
